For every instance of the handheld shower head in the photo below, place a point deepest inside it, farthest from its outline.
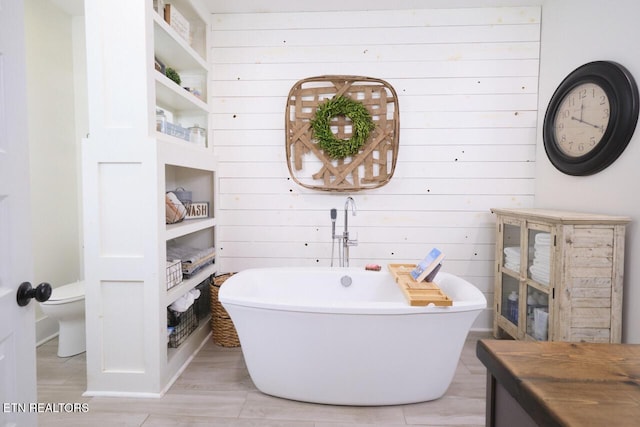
(334, 215)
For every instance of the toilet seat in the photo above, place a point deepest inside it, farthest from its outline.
(66, 294)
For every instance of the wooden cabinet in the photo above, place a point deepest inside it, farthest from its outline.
(129, 163)
(558, 275)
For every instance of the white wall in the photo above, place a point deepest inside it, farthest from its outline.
(467, 81)
(575, 32)
(53, 148)
(252, 227)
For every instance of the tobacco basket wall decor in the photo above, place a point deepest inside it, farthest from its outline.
(333, 106)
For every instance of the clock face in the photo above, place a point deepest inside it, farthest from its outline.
(582, 119)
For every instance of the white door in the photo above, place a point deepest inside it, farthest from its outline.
(17, 324)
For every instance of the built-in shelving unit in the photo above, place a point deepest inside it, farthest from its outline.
(128, 166)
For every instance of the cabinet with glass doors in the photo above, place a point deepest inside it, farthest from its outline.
(558, 275)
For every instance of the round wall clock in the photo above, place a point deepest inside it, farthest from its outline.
(591, 118)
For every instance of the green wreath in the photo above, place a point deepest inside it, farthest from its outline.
(361, 120)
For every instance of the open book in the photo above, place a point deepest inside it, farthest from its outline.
(428, 267)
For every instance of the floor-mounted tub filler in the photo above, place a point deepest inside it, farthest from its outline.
(346, 336)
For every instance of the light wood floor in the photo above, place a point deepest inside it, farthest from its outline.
(216, 390)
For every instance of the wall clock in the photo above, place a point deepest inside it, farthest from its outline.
(591, 118)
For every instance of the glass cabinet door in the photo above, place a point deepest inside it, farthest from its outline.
(509, 308)
(511, 247)
(537, 314)
(539, 256)
(511, 262)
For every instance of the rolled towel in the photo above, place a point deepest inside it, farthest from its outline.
(183, 303)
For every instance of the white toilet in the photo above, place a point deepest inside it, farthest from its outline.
(66, 305)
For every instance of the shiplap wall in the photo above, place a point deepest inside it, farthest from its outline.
(467, 81)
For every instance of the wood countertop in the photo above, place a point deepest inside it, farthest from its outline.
(568, 384)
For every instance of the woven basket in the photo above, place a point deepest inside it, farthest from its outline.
(224, 332)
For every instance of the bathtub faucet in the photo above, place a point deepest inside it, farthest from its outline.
(344, 240)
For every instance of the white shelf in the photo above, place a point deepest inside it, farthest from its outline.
(173, 50)
(189, 226)
(172, 96)
(179, 152)
(187, 284)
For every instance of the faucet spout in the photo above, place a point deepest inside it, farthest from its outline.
(351, 202)
(348, 202)
(346, 242)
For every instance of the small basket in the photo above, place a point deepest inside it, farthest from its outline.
(174, 273)
(187, 323)
(176, 130)
(224, 332)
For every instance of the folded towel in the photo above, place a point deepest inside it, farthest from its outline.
(539, 275)
(512, 251)
(543, 239)
(542, 253)
(192, 258)
(188, 254)
(512, 266)
(540, 268)
(540, 279)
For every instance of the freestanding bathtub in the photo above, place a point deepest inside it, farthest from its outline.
(306, 336)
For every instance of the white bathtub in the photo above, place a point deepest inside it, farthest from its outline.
(307, 337)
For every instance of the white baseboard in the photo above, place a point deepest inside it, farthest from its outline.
(46, 328)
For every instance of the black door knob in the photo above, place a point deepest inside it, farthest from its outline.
(41, 293)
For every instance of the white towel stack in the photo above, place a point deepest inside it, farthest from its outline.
(540, 269)
(512, 258)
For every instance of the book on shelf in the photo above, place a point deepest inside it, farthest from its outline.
(428, 267)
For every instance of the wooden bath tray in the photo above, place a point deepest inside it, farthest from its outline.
(418, 293)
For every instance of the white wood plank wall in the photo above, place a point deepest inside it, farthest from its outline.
(467, 81)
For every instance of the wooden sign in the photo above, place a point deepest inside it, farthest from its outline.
(196, 210)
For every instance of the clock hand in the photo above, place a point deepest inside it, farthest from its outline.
(586, 123)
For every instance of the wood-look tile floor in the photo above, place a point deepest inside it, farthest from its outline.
(216, 390)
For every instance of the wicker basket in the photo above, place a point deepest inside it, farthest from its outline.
(224, 332)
